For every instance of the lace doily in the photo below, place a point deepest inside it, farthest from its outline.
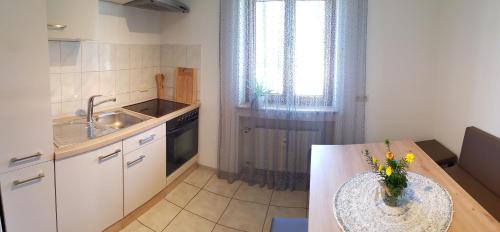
(426, 206)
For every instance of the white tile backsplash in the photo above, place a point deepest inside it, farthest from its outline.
(90, 56)
(54, 57)
(107, 83)
(79, 70)
(123, 81)
(167, 55)
(135, 79)
(55, 87)
(135, 54)
(122, 57)
(71, 86)
(90, 84)
(107, 57)
(147, 56)
(70, 107)
(71, 59)
(180, 55)
(56, 109)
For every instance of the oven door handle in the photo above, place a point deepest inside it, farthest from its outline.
(183, 127)
(174, 131)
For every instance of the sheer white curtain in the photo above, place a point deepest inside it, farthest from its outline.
(292, 75)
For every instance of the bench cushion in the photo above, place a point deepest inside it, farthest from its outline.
(480, 157)
(484, 196)
(439, 153)
(289, 225)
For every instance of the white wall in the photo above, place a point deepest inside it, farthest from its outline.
(401, 76)
(128, 25)
(201, 27)
(468, 88)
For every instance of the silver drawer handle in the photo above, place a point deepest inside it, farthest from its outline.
(56, 27)
(16, 161)
(106, 157)
(138, 160)
(21, 182)
(147, 140)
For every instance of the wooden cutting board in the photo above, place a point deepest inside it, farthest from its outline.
(185, 85)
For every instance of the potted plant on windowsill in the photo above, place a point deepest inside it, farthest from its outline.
(259, 93)
(393, 175)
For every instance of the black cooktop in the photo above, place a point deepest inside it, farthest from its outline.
(156, 107)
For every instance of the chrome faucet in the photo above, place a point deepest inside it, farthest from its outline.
(90, 107)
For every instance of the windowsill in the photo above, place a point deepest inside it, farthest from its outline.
(304, 109)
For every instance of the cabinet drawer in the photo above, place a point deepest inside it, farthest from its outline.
(90, 190)
(11, 161)
(144, 174)
(143, 138)
(28, 198)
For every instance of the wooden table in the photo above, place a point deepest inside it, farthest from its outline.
(333, 165)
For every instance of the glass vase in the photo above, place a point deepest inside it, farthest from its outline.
(390, 199)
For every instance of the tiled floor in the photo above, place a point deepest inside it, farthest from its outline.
(204, 203)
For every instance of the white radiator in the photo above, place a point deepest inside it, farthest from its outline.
(273, 147)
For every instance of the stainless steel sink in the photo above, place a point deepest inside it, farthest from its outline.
(77, 130)
(116, 120)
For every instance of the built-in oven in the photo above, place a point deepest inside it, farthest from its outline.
(182, 140)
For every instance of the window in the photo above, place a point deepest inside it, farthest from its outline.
(292, 40)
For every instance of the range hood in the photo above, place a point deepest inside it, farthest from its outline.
(159, 5)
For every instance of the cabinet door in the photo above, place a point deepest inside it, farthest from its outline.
(79, 18)
(90, 190)
(144, 174)
(25, 119)
(28, 198)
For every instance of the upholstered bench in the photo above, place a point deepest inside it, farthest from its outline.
(439, 153)
(478, 169)
(289, 225)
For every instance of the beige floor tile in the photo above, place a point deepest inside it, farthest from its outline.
(200, 176)
(290, 199)
(222, 187)
(158, 217)
(208, 205)
(189, 222)
(136, 227)
(254, 194)
(276, 211)
(219, 228)
(182, 194)
(246, 216)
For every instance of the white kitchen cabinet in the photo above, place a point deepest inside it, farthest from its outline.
(25, 120)
(144, 174)
(28, 198)
(78, 17)
(90, 190)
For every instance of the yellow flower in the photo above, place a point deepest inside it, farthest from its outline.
(388, 171)
(389, 155)
(374, 160)
(379, 168)
(409, 157)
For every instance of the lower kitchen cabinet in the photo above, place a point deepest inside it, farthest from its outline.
(90, 190)
(28, 198)
(144, 173)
